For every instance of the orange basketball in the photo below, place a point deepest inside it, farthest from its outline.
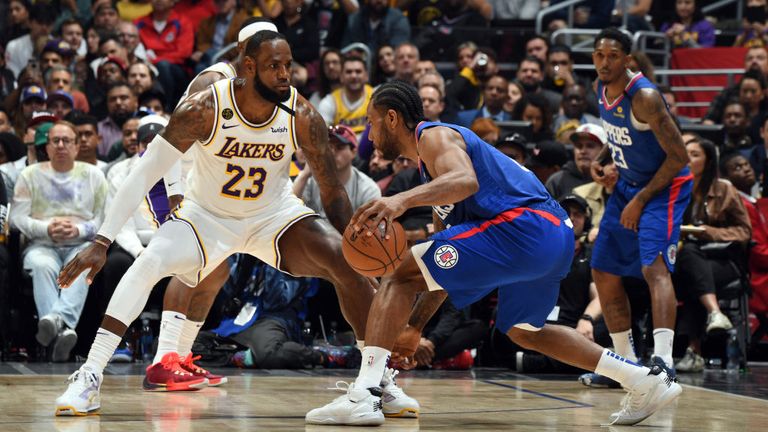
(374, 255)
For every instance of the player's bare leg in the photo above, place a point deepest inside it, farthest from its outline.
(312, 247)
(388, 316)
(664, 307)
(616, 310)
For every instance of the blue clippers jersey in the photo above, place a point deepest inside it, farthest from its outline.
(504, 184)
(635, 149)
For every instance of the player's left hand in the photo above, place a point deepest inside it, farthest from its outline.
(407, 342)
(631, 214)
(381, 209)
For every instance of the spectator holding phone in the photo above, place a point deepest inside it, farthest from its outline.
(754, 30)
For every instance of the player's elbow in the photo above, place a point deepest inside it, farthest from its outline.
(472, 186)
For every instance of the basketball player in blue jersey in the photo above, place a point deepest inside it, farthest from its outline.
(501, 230)
(640, 228)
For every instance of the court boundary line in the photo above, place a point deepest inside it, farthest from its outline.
(539, 394)
(724, 392)
(21, 368)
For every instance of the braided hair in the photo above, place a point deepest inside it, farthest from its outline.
(403, 98)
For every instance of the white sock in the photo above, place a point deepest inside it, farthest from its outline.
(662, 344)
(171, 325)
(360, 344)
(372, 368)
(101, 351)
(624, 345)
(188, 335)
(619, 369)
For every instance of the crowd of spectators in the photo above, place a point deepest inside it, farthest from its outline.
(85, 84)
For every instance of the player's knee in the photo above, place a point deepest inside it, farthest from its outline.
(657, 275)
(524, 338)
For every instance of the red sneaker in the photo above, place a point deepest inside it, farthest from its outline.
(168, 375)
(213, 380)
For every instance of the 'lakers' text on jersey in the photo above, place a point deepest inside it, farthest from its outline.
(242, 167)
(634, 147)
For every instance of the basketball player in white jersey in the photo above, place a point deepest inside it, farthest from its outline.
(185, 310)
(238, 200)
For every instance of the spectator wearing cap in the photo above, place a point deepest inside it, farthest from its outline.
(32, 99)
(217, 31)
(58, 206)
(88, 136)
(588, 140)
(56, 52)
(514, 146)
(110, 47)
(59, 78)
(495, 94)
(60, 103)
(359, 186)
(19, 51)
(110, 72)
(348, 105)
(121, 104)
(547, 158)
(574, 107)
(169, 48)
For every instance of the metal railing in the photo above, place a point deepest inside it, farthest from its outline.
(640, 43)
(582, 46)
(723, 3)
(729, 73)
(568, 4)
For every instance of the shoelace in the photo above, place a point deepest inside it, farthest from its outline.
(189, 362)
(341, 386)
(89, 378)
(171, 363)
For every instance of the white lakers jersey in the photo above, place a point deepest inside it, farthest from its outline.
(242, 167)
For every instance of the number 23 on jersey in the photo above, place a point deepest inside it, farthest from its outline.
(232, 189)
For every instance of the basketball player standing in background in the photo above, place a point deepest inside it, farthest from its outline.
(640, 228)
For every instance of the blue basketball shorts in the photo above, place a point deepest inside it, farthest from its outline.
(624, 252)
(524, 252)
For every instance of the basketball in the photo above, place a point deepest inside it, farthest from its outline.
(374, 255)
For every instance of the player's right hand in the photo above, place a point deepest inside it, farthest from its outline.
(407, 342)
(93, 257)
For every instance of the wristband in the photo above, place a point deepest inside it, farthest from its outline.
(101, 242)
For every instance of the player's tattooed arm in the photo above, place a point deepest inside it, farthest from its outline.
(649, 107)
(203, 81)
(191, 121)
(312, 134)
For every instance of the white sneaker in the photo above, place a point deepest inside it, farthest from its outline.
(82, 395)
(718, 321)
(395, 403)
(651, 394)
(361, 407)
(63, 345)
(691, 362)
(48, 327)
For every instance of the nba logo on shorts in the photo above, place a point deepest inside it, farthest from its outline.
(672, 253)
(446, 256)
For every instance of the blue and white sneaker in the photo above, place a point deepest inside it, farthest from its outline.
(669, 369)
(655, 391)
(82, 396)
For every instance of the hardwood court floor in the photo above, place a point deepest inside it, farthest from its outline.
(278, 400)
